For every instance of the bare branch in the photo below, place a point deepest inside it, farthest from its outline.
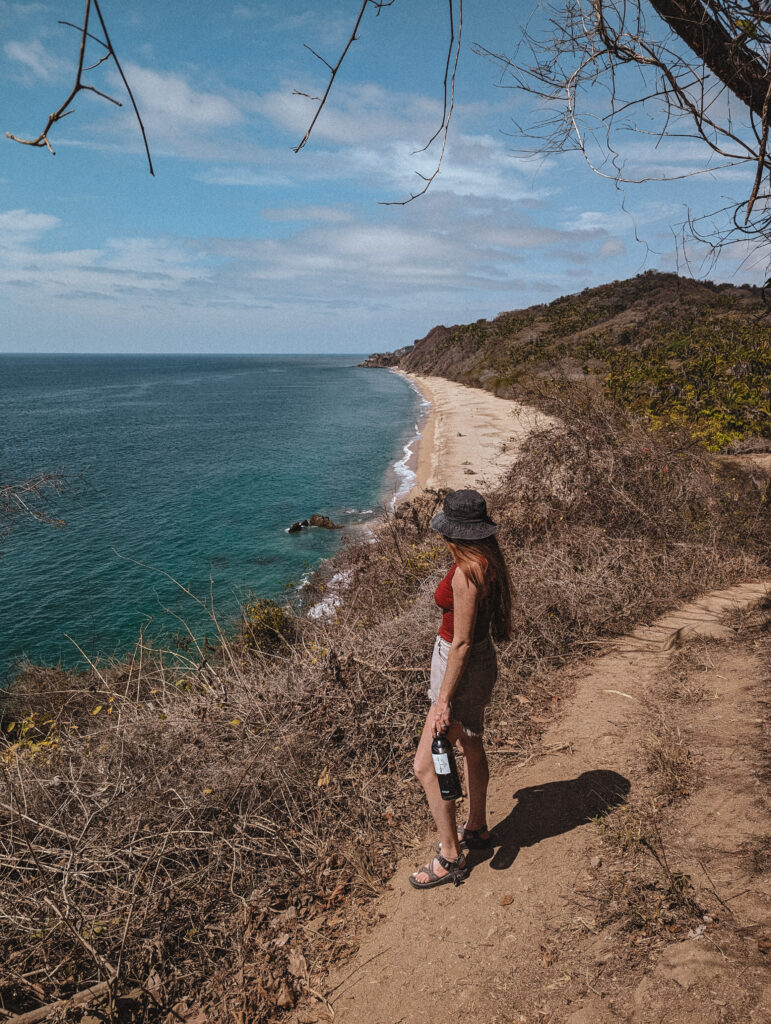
(80, 86)
(28, 499)
(692, 68)
(448, 105)
(317, 55)
(333, 71)
(126, 84)
(761, 154)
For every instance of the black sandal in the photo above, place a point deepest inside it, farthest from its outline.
(471, 839)
(457, 871)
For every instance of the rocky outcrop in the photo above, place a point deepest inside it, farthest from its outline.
(323, 522)
(385, 360)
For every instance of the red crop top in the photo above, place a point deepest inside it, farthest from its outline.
(443, 598)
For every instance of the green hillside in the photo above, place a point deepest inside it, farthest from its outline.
(675, 350)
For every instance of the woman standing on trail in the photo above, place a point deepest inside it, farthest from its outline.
(475, 598)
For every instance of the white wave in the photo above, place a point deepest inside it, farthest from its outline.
(424, 402)
(407, 476)
(325, 608)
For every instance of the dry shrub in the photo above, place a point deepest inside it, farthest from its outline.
(682, 677)
(199, 821)
(669, 758)
(641, 890)
(171, 834)
(606, 523)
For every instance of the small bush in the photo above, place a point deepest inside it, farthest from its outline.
(669, 758)
(640, 889)
(266, 625)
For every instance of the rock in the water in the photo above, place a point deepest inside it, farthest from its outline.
(296, 527)
(324, 522)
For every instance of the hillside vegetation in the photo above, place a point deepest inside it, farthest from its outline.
(201, 831)
(677, 351)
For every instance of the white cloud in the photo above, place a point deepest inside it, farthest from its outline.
(245, 177)
(326, 214)
(169, 101)
(36, 59)
(23, 10)
(354, 115)
(613, 247)
(441, 249)
(473, 165)
(595, 220)
(368, 136)
(122, 266)
(19, 226)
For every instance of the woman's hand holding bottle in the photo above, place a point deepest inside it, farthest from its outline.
(442, 717)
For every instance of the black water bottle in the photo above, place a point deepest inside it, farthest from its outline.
(445, 768)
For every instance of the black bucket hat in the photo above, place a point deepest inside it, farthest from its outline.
(464, 517)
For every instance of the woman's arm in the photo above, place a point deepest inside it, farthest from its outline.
(465, 599)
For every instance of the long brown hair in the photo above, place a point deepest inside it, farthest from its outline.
(482, 561)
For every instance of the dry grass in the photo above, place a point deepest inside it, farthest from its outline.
(670, 759)
(641, 890)
(200, 825)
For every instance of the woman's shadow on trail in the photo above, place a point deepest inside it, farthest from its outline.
(554, 808)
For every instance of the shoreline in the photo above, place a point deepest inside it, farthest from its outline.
(468, 437)
(409, 466)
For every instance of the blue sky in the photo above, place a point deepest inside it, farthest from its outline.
(240, 245)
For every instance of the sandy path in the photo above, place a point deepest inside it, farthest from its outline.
(485, 951)
(470, 437)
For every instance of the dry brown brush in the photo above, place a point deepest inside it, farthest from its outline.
(204, 829)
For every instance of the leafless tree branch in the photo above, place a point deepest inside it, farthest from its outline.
(450, 71)
(28, 499)
(333, 69)
(453, 56)
(80, 86)
(691, 68)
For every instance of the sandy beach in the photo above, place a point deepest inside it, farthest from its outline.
(469, 437)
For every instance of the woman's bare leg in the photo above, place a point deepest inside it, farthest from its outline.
(442, 811)
(477, 778)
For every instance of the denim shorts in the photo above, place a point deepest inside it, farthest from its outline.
(475, 689)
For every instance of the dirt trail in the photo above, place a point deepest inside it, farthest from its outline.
(516, 942)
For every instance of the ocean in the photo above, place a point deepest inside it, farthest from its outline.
(186, 469)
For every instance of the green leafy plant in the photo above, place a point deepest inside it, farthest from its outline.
(266, 625)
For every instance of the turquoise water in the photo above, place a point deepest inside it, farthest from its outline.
(193, 466)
